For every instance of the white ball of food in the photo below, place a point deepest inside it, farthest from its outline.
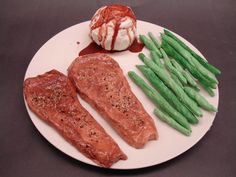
(113, 27)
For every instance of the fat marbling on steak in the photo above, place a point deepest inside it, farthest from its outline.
(100, 81)
(53, 98)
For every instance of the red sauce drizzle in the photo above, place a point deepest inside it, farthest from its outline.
(116, 29)
(94, 48)
(114, 13)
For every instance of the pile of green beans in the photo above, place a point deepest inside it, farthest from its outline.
(174, 71)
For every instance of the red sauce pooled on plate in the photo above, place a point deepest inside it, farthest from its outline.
(136, 46)
(94, 48)
(114, 13)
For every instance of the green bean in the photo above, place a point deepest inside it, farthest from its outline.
(186, 74)
(176, 65)
(190, 80)
(202, 102)
(154, 40)
(211, 77)
(202, 81)
(149, 44)
(177, 81)
(158, 99)
(170, 121)
(208, 90)
(207, 65)
(173, 70)
(167, 93)
(155, 57)
(173, 53)
(183, 97)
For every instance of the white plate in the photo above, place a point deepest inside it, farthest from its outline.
(62, 49)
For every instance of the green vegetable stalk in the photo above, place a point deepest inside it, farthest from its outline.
(186, 74)
(195, 73)
(158, 99)
(177, 81)
(173, 70)
(170, 121)
(149, 44)
(179, 92)
(154, 40)
(167, 93)
(155, 57)
(187, 55)
(202, 102)
(207, 65)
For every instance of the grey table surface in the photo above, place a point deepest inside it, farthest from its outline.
(26, 25)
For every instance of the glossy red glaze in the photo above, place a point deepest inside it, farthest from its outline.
(114, 13)
(136, 46)
(94, 48)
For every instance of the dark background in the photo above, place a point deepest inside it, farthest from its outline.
(26, 25)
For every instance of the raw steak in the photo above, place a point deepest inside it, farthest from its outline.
(53, 98)
(100, 81)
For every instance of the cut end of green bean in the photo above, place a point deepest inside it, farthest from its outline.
(214, 109)
(209, 91)
(131, 73)
(154, 39)
(141, 56)
(141, 38)
(202, 102)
